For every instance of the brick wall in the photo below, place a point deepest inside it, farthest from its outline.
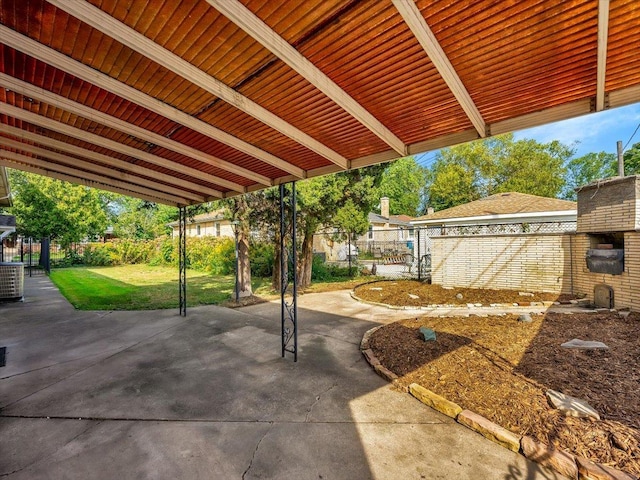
(610, 206)
(626, 287)
(534, 262)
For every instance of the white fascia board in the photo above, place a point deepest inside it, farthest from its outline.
(6, 231)
(558, 216)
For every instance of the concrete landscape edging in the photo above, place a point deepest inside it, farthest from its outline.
(558, 460)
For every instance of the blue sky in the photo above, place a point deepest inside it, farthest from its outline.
(596, 132)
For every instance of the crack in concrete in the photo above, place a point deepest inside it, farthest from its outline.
(318, 397)
(256, 451)
(35, 462)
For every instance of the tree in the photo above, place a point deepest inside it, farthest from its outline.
(499, 164)
(140, 219)
(238, 211)
(404, 182)
(45, 207)
(320, 199)
(586, 169)
(632, 160)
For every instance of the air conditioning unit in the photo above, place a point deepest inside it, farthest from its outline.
(11, 281)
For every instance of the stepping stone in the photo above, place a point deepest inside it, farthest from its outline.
(428, 334)
(585, 344)
(414, 297)
(571, 406)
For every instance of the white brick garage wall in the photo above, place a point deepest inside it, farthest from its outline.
(528, 262)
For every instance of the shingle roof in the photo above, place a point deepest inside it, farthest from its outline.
(392, 220)
(503, 204)
(7, 221)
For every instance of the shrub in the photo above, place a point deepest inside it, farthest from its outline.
(98, 255)
(262, 255)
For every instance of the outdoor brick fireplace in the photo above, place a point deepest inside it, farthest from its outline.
(606, 248)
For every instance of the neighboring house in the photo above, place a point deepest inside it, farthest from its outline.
(387, 234)
(506, 211)
(212, 224)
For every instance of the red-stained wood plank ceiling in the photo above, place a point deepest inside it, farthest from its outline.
(512, 64)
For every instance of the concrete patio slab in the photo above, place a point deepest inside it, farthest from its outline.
(102, 395)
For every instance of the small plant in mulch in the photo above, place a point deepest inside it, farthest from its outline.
(501, 368)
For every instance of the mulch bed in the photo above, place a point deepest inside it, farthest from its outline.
(501, 368)
(398, 293)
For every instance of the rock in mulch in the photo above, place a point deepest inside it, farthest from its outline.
(525, 318)
(413, 297)
(428, 334)
(585, 344)
(571, 406)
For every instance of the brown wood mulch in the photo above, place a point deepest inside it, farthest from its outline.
(398, 293)
(501, 368)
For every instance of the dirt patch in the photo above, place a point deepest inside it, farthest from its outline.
(418, 294)
(501, 369)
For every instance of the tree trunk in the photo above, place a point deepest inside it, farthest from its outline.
(306, 261)
(277, 274)
(244, 267)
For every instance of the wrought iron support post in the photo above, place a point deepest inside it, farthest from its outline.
(418, 254)
(182, 259)
(288, 273)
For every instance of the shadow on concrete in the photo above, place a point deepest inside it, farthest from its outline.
(149, 394)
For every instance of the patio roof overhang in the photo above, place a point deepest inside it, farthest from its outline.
(184, 102)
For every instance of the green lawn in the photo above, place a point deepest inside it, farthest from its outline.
(139, 287)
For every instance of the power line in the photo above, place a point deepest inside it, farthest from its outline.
(633, 135)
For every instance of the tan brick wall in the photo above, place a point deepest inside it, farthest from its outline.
(535, 262)
(626, 287)
(610, 206)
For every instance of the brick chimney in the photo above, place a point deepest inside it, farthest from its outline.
(384, 207)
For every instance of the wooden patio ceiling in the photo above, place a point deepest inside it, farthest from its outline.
(180, 102)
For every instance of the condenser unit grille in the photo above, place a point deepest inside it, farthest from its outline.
(11, 281)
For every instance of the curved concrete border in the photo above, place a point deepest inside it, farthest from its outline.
(565, 463)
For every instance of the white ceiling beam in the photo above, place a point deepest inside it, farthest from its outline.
(111, 27)
(115, 146)
(186, 188)
(62, 62)
(145, 185)
(20, 164)
(418, 25)
(54, 167)
(261, 32)
(603, 37)
(58, 101)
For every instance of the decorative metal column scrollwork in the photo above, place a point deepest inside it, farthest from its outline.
(288, 271)
(182, 259)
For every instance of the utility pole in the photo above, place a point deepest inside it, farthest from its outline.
(620, 160)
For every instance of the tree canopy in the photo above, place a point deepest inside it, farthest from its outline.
(67, 213)
(404, 181)
(632, 160)
(499, 164)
